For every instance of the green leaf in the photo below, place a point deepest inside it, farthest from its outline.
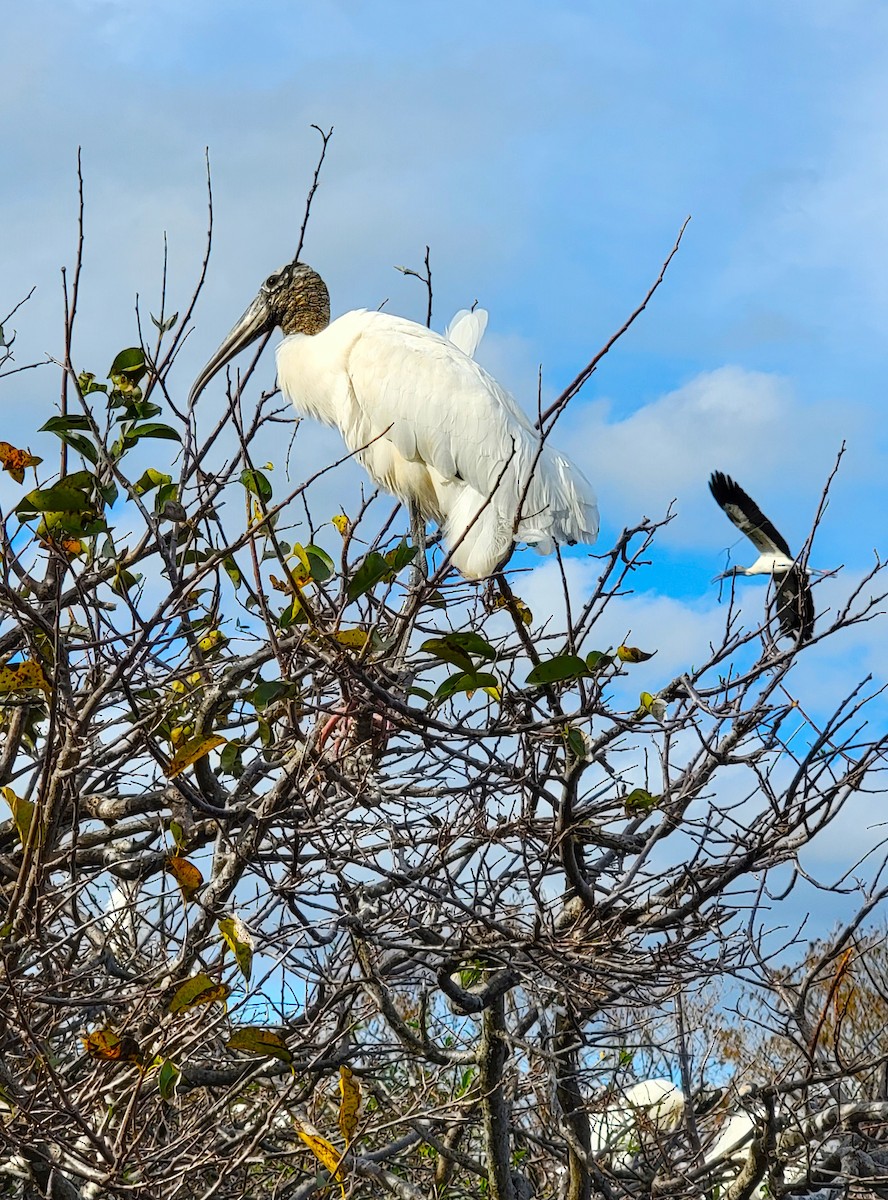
(240, 943)
(108, 492)
(460, 649)
(640, 801)
(401, 556)
(60, 498)
(130, 364)
(293, 614)
(82, 445)
(557, 670)
(596, 659)
(320, 564)
(232, 571)
(453, 655)
(470, 681)
(87, 383)
(576, 742)
(372, 570)
(143, 410)
(153, 429)
(198, 989)
(257, 483)
(231, 760)
(66, 424)
(253, 1040)
(149, 480)
(123, 581)
(167, 1079)
(64, 428)
(377, 567)
(269, 690)
(83, 480)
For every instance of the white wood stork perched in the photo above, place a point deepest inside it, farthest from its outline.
(426, 422)
(655, 1106)
(795, 607)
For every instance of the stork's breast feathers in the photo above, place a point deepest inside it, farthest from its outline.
(381, 377)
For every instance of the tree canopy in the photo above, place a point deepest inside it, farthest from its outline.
(325, 870)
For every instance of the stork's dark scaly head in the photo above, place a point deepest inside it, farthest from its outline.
(294, 298)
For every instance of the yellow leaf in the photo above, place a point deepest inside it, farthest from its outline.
(185, 874)
(22, 813)
(341, 523)
(354, 639)
(516, 605)
(239, 942)
(212, 640)
(107, 1046)
(71, 547)
(260, 1041)
(303, 574)
(18, 677)
(14, 461)
(199, 989)
(191, 751)
(349, 1104)
(324, 1151)
(632, 654)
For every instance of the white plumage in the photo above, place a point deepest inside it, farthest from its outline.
(426, 422)
(655, 1106)
(466, 329)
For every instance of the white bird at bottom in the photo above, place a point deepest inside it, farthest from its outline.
(426, 422)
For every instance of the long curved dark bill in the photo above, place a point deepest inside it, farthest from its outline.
(255, 321)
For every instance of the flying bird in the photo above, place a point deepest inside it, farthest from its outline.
(795, 606)
(426, 422)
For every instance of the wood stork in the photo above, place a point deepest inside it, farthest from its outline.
(795, 606)
(652, 1105)
(426, 422)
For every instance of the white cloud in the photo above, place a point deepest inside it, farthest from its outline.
(748, 423)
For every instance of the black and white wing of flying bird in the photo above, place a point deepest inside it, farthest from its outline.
(795, 606)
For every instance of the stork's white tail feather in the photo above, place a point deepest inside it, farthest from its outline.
(558, 506)
(467, 329)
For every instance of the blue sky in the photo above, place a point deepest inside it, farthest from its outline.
(548, 154)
